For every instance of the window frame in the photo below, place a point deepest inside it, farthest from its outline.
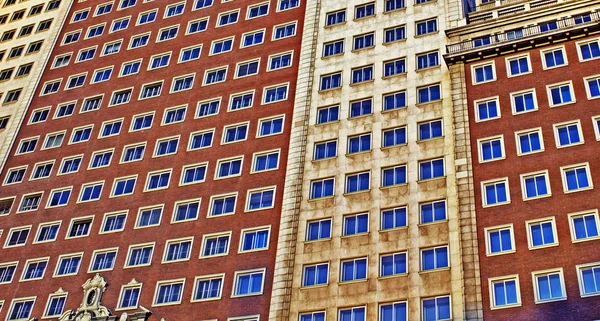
(484, 201)
(492, 280)
(168, 282)
(507, 61)
(132, 247)
(522, 178)
(544, 51)
(572, 216)
(565, 168)
(528, 224)
(549, 88)
(488, 241)
(536, 294)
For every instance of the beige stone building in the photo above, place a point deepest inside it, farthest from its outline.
(28, 32)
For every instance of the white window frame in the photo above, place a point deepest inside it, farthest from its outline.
(522, 178)
(541, 220)
(109, 214)
(483, 64)
(563, 169)
(507, 61)
(561, 84)
(484, 202)
(67, 256)
(553, 49)
(572, 216)
(166, 282)
(252, 271)
(261, 189)
(526, 131)
(488, 241)
(567, 123)
(487, 139)
(131, 285)
(177, 241)
(534, 275)
(208, 277)
(513, 277)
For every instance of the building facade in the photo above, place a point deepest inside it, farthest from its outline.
(152, 157)
(528, 77)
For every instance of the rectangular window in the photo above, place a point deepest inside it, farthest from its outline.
(174, 115)
(254, 239)
(146, 17)
(193, 174)
(123, 186)
(315, 274)
(356, 224)
(34, 269)
(363, 41)
(265, 161)
(81, 135)
(428, 60)
(101, 158)
(482, 73)
(426, 27)
(270, 126)
(535, 185)
(55, 305)
(80, 227)
(318, 230)
(529, 141)
(247, 68)
(322, 188)
(199, 4)
(280, 61)
(90, 192)
(177, 250)
(362, 74)
(221, 46)
(326, 149)
(113, 222)
(391, 176)
(190, 53)
(59, 197)
(500, 240)
(158, 180)
(495, 192)
(168, 292)
(260, 199)
(139, 255)
(202, 139)
(17, 236)
(354, 270)
(208, 287)
(393, 218)
(20, 309)
(91, 104)
(288, 4)
(359, 143)
(70, 165)
(333, 48)
(222, 204)
(361, 107)
(235, 133)
(119, 24)
(328, 114)
(335, 17)
(62, 60)
(86, 54)
(284, 31)
(182, 83)
(215, 245)
(589, 50)
(129, 296)
(541, 233)
(47, 232)
(561, 94)
(364, 10)
(110, 128)
(208, 107)
(358, 182)
(227, 168)
(584, 226)
(428, 94)
(555, 57)
(196, 26)
(159, 61)
(430, 129)
(166, 146)
(241, 100)
(227, 18)
(141, 122)
(7, 272)
(393, 34)
(331, 81)
(393, 264)
(249, 282)
(589, 279)
(75, 81)
(68, 265)
(94, 31)
(71, 37)
(523, 101)
(394, 67)
(434, 211)
(434, 258)
(576, 178)
(174, 9)
(491, 148)
(50, 87)
(53, 140)
(14, 175)
(273, 94)
(432, 168)
(101, 75)
(27, 146)
(517, 66)
(397, 311)
(130, 68)
(215, 76)
(505, 292)
(149, 216)
(487, 109)
(549, 286)
(257, 10)
(103, 8)
(139, 41)
(167, 33)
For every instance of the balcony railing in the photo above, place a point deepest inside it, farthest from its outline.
(502, 8)
(527, 32)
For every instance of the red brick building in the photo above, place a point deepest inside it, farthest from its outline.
(154, 154)
(531, 89)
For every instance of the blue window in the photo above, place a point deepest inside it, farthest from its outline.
(328, 114)
(354, 269)
(131, 68)
(223, 205)
(428, 94)
(433, 211)
(484, 73)
(393, 264)
(549, 287)
(554, 58)
(547, 26)
(133, 153)
(81, 135)
(216, 245)
(147, 17)
(7, 272)
(536, 185)
(487, 110)
(271, 126)
(561, 94)
(333, 48)
(275, 94)
(45, 233)
(425, 27)
(91, 192)
(321, 188)
(364, 41)
(394, 67)
(530, 142)
(104, 261)
(168, 33)
(228, 18)
(127, 4)
(183, 83)
(174, 115)
(285, 5)
(393, 176)
(356, 224)
(434, 258)
(120, 25)
(70, 165)
(590, 50)
(518, 65)
(584, 18)
(124, 186)
(21, 310)
(235, 133)
(312, 316)
(500, 240)
(336, 17)
(389, 6)
(361, 107)
(542, 233)
(397, 311)
(166, 147)
(55, 306)
(577, 178)
(255, 240)
(64, 110)
(15, 176)
(249, 283)
(258, 10)
(352, 314)
(280, 61)
(102, 75)
(193, 174)
(140, 256)
(149, 216)
(169, 293)
(590, 279)
(394, 136)
(201, 140)
(186, 211)
(35, 270)
(504, 293)
(197, 26)
(130, 297)
(95, 31)
(394, 34)
(359, 143)
(316, 274)
(253, 38)
(426, 60)
(491, 149)
(585, 226)
(59, 198)
(68, 265)
(139, 41)
(430, 129)
(281, 32)
(81, 15)
(393, 218)
(247, 69)
(524, 102)
(362, 74)
(260, 199)
(160, 61)
(431, 169)
(593, 87)
(202, 4)
(495, 193)
(178, 250)
(317, 230)
(325, 150)
(215, 76)
(208, 108)
(114, 222)
(158, 180)
(208, 289)
(331, 81)
(112, 128)
(175, 9)
(358, 182)
(220, 46)
(364, 10)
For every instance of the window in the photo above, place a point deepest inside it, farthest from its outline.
(15, 175)
(101, 158)
(222, 204)
(221, 46)
(392, 68)
(427, 26)
(17, 236)
(192, 174)
(34, 47)
(68, 265)
(27, 146)
(81, 135)
(247, 68)
(356, 224)
(325, 150)
(335, 17)
(90, 192)
(364, 10)
(126, 4)
(265, 161)
(102, 75)
(362, 74)
(331, 81)
(59, 197)
(491, 148)
(166, 146)
(24, 70)
(158, 180)
(568, 134)
(505, 292)
(235, 133)
(215, 76)
(523, 101)
(241, 100)
(47, 232)
(315, 274)
(393, 218)
(535, 185)
(34, 269)
(53, 140)
(333, 48)
(428, 94)
(495, 192)
(174, 9)
(7, 272)
(589, 50)
(168, 292)
(584, 18)
(433, 211)
(500, 240)
(284, 31)
(130, 68)
(487, 109)
(393, 264)
(75, 81)
(129, 296)
(132, 153)
(430, 129)
(529, 141)
(119, 24)
(186, 210)
(113, 222)
(393, 34)
(576, 178)
(110, 128)
(70, 165)
(397, 311)
(159, 61)
(549, 286)
(141, 122)
(428, 60)
(359, 143)
(178, 250)
(395, 175)
(50, 87)
(361, 107)
(433, 168)
(257, 10)
(208, 288)
(273, 94)
(91, 104)
(541, 233)
(288, 4)
(584, 226)
(199, 140)
(518, 65)
(254, 239)
(140, 255)
(71, 37)
(12, 96)
(139, 41)
(39, 115)
(147, 17)
(354, 269)
(61, 61)
(103, 8)
(363, 41)
(589, 280)
(227, 168)
(483, 73)
(94, 31)
(196, 26)
(270, 126)
(199, 4)
(190, 53)
(86, 54)
(358, 182)
(208, 108)
(555, 57)
(328, 114)
(167, 33)
(434, 258)
(353, 314)
(35, 10)
(174, 115)
(80, 227)
(123, 186)
(321, 188)
(149, 216)
(215, 245)
(20, 309)
(227, 18)
(280, 61)
(44, 25)
(248, 282)
(318, 230)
